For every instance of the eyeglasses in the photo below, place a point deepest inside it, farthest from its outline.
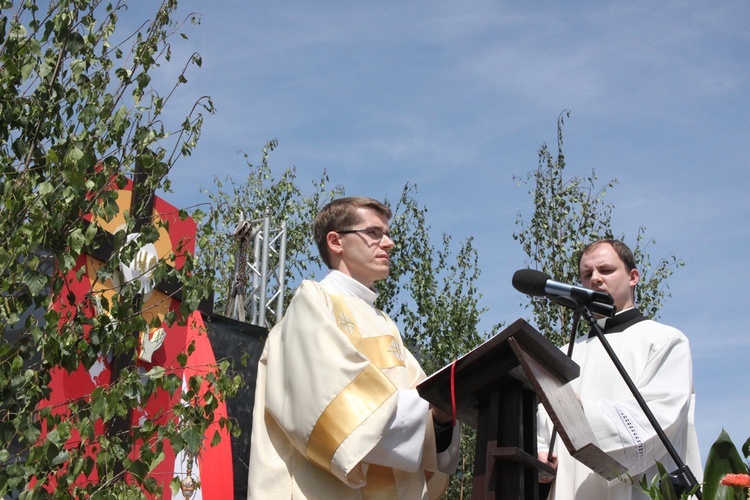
(373, 232)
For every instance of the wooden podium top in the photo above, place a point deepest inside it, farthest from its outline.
(491, 363)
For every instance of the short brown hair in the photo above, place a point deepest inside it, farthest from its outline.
(622, 250)
(341, 214)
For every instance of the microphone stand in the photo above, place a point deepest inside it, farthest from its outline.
(682, 479)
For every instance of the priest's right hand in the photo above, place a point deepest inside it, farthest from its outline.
(543, 456)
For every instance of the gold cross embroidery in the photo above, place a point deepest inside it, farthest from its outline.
(384, 351)
(396, 350)
(345, 323)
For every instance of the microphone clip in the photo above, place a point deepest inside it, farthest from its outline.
(604, 309)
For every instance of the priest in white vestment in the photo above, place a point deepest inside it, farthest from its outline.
(657, 358)
(336, 413)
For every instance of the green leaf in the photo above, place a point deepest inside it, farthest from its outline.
(665, 485)
(723, 458)
(193, 439)
(36, 282)
(45, 188)
(174, 485)
(86, 429)
(182, 359)
(61, 457)
(156, 372)
(138, 469)
(74, 155)
(157, 459)
(216, 439)
(76, 240)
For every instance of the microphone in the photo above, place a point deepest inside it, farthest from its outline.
(537, 283)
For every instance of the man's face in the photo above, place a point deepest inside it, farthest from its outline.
(364, 255)
(601, 269)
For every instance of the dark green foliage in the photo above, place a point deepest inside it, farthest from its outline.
(723, 458)
(77, 113)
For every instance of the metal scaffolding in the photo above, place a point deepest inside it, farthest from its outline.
(260, 295)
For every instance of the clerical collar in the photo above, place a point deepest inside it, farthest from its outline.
(621, 321)
(345, 283)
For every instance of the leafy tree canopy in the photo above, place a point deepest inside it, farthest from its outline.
(566, 216)
(78, 116)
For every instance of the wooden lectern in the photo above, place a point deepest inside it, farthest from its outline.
(497, 387)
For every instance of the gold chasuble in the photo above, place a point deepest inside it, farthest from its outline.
(327, 390)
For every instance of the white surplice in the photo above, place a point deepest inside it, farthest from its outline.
(657, 358)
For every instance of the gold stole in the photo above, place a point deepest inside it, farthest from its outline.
(383, 351)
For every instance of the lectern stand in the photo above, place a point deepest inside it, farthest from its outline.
(497, 387)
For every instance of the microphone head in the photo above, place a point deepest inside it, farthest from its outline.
(530, 281)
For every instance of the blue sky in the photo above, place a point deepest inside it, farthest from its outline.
(457, 98)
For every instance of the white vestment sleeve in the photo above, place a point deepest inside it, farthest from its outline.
(447, 460)
(401, 445)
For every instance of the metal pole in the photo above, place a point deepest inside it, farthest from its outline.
(281, 274)
(264, 271)
(256, 260)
